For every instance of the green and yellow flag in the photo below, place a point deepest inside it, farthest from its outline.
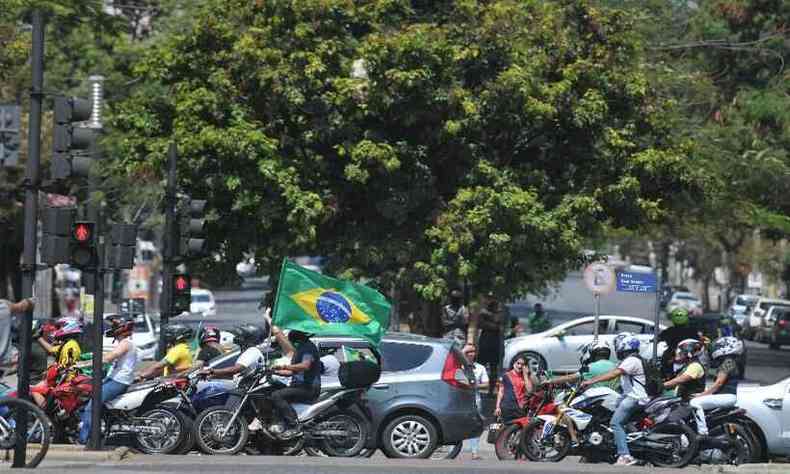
(311, 302)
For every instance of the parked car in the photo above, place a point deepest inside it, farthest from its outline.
(145, 336)
(557, 349)
(777, 321)
(203, 303)
(424, 399)
(769, 408)
(760, 309)
(683, 299)
(740, 307)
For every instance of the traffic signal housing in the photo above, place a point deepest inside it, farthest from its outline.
(123, 245)
(192, 229)
(182, 293)
(69, 139)
(56, 225)
(9, 134)
(83, 245)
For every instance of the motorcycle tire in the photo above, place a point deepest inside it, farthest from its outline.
(448, 451)
(680, 429)
(345, 448)
(39, 430)
(507, 445)
(207, 426)
(741, 451)
(531, 443)
(175, 432)
(189, 439)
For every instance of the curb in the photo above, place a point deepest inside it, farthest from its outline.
(71, 452)
(753, 468)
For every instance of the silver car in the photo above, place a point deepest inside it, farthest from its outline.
(557, 349)
(769, 407)
(425, 397)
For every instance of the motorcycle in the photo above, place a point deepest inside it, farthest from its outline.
(730, 439)
(651, 436)
(507, 441)
(331, 423)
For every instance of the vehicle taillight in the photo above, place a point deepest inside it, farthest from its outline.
(782, 323)
(646, 423)
(453, 371)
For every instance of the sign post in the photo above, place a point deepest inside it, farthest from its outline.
(600, 279)
(640, 282)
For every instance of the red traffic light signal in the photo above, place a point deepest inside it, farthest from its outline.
(83, 232)
(181, 283)
(83, 245)
(182, 294)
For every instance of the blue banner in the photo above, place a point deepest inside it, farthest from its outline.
(633, 282)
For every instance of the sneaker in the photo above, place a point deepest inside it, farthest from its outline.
(255, 425)
(476, 457)
(625, 461)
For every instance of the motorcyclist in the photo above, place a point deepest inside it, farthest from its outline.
(690, 378)
(209, 345)
(178, 358)
(597, 362)
(722, 393)
(66, 350)
(121, 375)
(680, 331)
(632, 381)
(305, 372)
(248, 337)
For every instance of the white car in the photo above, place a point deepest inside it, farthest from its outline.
(769, 407)
(558, 349)
(682, 299)
(203, 303)
(760, 309)
(145, 337)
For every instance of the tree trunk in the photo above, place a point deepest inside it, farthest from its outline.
(706, 292)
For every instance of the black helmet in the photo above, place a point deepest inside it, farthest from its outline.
(296, 336)
(176, 333)
(248, 335)
(118, 325)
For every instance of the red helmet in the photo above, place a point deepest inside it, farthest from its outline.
(209, 334)
(70, 328)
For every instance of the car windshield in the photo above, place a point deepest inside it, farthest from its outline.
(744, 300)
(201, 298)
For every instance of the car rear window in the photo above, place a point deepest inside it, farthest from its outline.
(398, 356)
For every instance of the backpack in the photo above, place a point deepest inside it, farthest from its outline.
(654, 379)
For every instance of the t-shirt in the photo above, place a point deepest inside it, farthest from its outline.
(481, 374)
(208, 353)
(178, 359)
(67, 354)
(312, 376)
(251, 359)
(601, 367)
(331, 365)
(729, 368)
(696, 371)
(633, 380)
(672, 337)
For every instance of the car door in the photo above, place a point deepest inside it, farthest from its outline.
(785, 420)
(566, 354)
(643, 332)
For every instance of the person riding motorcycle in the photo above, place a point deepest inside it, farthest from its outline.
(632, 381)
(690, 378)
(178, 358)
(121, 375)
(680, 331)
(722, 393)
(66, 350)
(596, 362)
(305, 373)
(248, 337)
(209, 345)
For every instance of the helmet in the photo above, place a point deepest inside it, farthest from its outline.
(726, 346)
(296, 336)
(679, 316)
(600, 351)
(209, 334)
(625, 343)
(248, 335)
(71, 328)
(118, 325)
(176, 333)
(689, 348)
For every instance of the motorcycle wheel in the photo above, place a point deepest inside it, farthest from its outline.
(508, 443)
(174, 432)
(538, 449)
(39, 430)
(207, 430)
(447, 451)
(683, 448)
(739, 453)
(352, 443)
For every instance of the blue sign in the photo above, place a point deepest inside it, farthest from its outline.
(633, 282)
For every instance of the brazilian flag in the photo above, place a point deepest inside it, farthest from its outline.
(314, 303)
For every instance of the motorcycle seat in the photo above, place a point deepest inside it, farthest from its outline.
(141, 385)
(655, 401)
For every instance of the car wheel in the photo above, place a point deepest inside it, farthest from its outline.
(410, 436)
(536, 362)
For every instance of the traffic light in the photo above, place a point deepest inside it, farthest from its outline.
(83, 245)
(192, 227)
(68, 138)
(55, 241)
(182, 293)
(9, 135)
(123, 244)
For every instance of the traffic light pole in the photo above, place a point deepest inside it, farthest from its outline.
(168, 267)
(95, 442)
(31, 185)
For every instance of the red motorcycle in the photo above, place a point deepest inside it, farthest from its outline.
(507, 441)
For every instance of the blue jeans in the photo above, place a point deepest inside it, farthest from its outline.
(624, 410)
(110, 389)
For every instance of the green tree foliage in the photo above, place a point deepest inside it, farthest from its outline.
(413, 142)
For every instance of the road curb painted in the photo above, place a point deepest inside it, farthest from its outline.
(753, 468)
(72, 452)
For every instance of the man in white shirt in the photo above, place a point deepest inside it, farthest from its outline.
(248, 337)
(481, 380)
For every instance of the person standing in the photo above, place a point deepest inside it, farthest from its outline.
(538, 320)
(516, 386)
(121, 375)
(490, 321)
(455, 318)
(481, 381)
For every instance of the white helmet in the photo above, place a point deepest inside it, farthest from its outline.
(726, 346)
(625, 342)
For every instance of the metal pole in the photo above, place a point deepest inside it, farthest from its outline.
(95, 442)
(165, 301)
(658, 317)
(31, 235)
(597, 315)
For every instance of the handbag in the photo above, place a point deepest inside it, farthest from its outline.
(493, 431)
